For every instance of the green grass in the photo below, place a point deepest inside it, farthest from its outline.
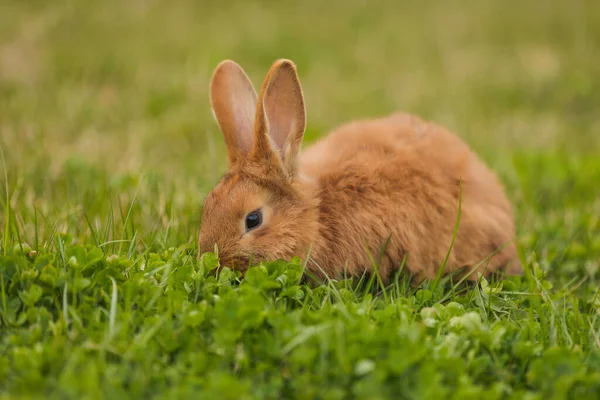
(109, 148)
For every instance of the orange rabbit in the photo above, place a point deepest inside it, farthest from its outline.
(385, 184)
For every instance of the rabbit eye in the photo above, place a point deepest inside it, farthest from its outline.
(253, 220)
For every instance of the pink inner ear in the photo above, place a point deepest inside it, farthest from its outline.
(279, 122)
(283, 106)
(244, 104)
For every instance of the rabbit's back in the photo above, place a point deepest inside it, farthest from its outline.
(399, 178)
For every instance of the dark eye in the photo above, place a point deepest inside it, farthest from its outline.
(253, 220)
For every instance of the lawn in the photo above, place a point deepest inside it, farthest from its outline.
(109, 148)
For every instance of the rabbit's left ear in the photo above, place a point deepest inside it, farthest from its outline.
(233, 101)
(280, 116)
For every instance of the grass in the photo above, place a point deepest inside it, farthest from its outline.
(109, 148)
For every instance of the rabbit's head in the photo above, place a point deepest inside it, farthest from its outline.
(260, 210)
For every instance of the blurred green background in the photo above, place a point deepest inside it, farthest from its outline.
(105, 102)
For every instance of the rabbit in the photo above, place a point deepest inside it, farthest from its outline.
(373, 193)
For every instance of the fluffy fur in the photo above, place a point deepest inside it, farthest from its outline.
(387, 187)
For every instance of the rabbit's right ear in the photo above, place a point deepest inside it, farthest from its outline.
(280, 117)
(233, 100)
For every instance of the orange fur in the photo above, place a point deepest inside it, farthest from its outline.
(369, 183)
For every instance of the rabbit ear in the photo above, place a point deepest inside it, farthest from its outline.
(280, 115)
(233, 100)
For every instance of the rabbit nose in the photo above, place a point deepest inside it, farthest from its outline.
(206, 246)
